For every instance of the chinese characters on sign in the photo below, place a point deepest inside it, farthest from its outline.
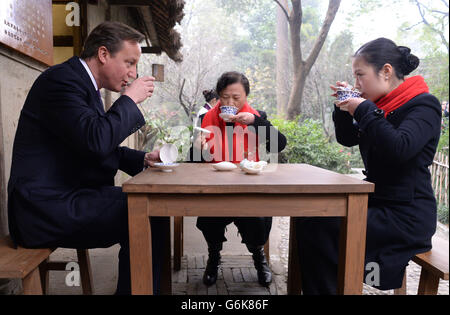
(26, 26)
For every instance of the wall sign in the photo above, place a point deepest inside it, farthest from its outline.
(26, 26)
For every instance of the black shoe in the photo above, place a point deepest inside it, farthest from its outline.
(261, 265)
(210, 275)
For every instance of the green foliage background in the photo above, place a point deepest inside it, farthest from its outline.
(307, 143)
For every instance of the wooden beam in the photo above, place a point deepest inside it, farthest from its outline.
(129, 3)
(63, 41)
(151, 50)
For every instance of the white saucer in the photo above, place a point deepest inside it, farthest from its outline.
(166, 167)
(224, 166)
(251, 167)
(251, 170)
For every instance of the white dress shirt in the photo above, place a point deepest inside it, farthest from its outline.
(85, 65)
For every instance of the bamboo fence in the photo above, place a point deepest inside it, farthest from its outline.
(439, 177)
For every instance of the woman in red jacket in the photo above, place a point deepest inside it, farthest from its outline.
(235, 140)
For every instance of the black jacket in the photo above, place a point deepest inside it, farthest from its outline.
(397, 151)
(66, 143)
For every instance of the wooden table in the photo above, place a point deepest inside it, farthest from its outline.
(295, 190)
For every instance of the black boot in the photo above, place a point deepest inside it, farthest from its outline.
(261, 265)
(210, 275)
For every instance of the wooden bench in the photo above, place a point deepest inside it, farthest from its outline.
(32, 267)
(178, 243)
(434, 265)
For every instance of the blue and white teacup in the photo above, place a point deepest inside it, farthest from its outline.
(230, 110)
(346, 93)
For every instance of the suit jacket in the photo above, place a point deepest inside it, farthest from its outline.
(65, 148)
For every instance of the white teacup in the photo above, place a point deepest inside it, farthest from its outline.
(168, 153)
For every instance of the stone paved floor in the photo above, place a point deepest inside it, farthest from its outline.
(237, 276)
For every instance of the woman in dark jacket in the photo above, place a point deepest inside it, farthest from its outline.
(225, 144)
(396, 123)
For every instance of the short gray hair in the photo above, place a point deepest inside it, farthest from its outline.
(111, 35)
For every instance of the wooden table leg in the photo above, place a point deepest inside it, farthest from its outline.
(32, 283)
(294, 286)
(428, 284)
(85, 271)
(177, 242)
(140, 245)
(166, 277)
(352, 247)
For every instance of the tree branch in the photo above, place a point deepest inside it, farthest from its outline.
(411, 27)
(440, 12)
(333, 7)
(295, 28)
(180, 97)
(425, 21)
(283, 8)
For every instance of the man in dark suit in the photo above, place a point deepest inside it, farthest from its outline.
(66, 151)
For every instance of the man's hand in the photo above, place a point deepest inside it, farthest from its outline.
(243, 118)
(151, 158)
(140, 89)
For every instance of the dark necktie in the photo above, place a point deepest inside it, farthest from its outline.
(100, 100)
(99, 96)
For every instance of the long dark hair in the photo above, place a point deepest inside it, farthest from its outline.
(382, 51)
(210, 95)
(232, 77)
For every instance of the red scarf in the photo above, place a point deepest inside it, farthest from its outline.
(218, 140)
(402, 94)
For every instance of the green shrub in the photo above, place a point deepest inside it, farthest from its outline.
(442, 213)
(307, 143)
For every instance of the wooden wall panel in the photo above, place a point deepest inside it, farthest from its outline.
(26, 26)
